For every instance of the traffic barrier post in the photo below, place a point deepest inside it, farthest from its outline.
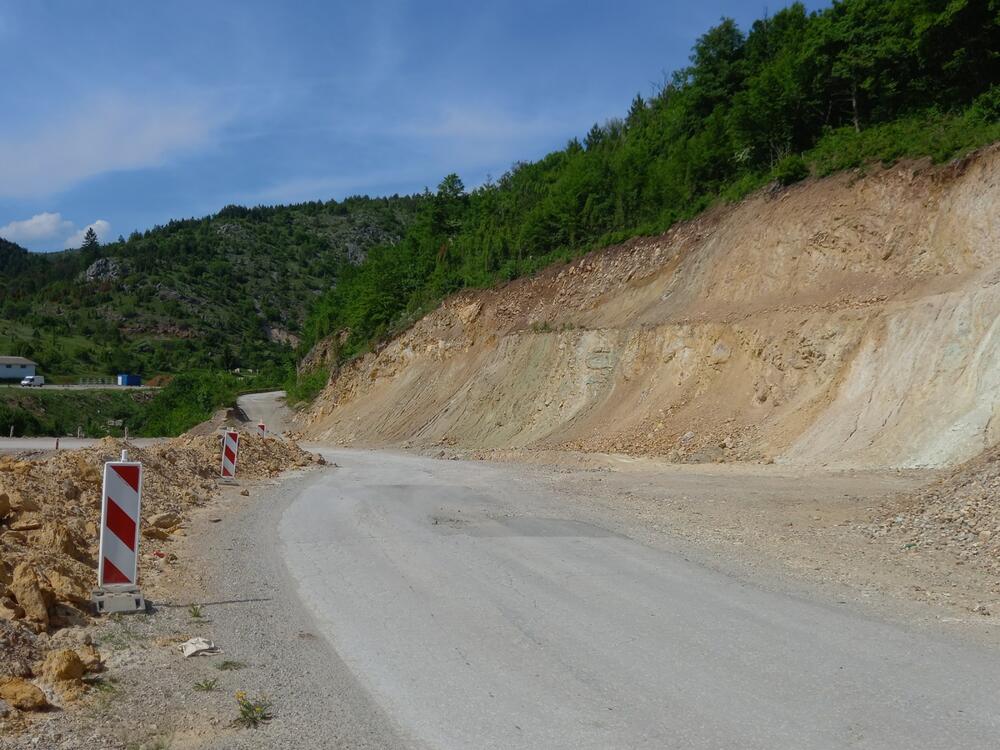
(230, 452)
(118, 550)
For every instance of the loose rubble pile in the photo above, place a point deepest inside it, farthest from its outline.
(50, 509)
(960, 513)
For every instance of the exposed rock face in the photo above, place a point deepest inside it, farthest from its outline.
(849, 321)
(104, 269)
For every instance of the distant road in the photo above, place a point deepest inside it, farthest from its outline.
(16, 445)
(269, 408)
(59, 387)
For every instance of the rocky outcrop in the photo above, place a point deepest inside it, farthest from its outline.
(103, 269)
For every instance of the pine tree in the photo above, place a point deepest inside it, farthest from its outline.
(90, 240)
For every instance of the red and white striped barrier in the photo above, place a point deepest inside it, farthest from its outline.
(118, 551)
(230, 450)
(261, 429)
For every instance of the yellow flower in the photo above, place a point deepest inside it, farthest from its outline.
(241, 696)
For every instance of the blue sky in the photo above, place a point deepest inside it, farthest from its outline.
(122, 115)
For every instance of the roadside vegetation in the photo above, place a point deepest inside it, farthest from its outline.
(36, 412)
(799, 95)
(184, 402)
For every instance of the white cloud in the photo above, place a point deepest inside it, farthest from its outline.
(101, 227)
(40, 228)
(50, 231)
(104, 133)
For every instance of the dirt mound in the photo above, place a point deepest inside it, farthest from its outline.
(850, 321)
(49, 518)
(959, 513)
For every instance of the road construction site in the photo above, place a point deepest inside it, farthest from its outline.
(388, 599)
(730, 487)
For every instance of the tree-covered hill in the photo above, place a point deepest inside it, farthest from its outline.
(230, 290)
(800, 93)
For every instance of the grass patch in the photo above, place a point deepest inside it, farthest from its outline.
(207, 685)
(194, 610)
(230, 666)
(104, 691)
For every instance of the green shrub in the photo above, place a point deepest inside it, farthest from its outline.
(791, 169)
(306, 386)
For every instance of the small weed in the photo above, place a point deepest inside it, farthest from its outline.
(103, 684)
(104, 691)
(543, 327)
(253, 711)
(206, 686)
(230, 666)
(195, 611)
(122, 634)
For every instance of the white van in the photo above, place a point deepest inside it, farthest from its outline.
(36, 381)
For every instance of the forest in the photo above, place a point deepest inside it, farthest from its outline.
(799, 94)
(226, 291)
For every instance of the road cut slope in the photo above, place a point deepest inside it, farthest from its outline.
(848, 321)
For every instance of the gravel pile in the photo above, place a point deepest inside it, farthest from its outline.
(50, 507)
(960, 513)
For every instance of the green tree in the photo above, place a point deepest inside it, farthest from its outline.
(90, 241)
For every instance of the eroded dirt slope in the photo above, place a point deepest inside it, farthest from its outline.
(850, 321)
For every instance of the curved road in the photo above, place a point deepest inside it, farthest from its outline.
(480, 611)
(269, 408)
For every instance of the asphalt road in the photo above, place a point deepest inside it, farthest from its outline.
(16, 445)
(269, 408)
(79, 387)
(480, 611)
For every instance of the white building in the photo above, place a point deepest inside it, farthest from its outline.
(15, 368)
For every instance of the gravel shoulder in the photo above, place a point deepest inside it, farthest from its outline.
(256, 617)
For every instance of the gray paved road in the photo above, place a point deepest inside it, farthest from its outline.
(79, 387)
(268, 407)
(16, 445)
(480, 612)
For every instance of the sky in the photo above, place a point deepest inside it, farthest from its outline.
(123, 115)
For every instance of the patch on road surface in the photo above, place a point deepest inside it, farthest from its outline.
(519, 526)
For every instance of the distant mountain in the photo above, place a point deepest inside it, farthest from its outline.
(228, 290)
